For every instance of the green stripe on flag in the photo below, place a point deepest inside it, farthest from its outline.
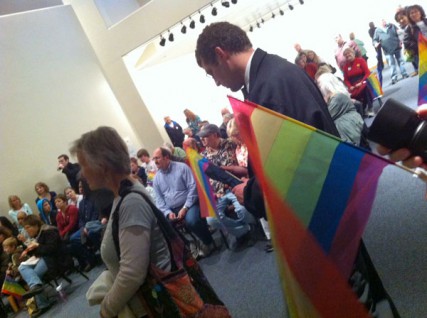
(265, 128)
(310, 175)
(285, 155)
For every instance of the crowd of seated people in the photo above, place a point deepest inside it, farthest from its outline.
(174, 193)
(67, 226)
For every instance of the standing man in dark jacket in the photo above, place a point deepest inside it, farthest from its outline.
(225, 52)
(71, 170)
(174, 131)
(378, 49)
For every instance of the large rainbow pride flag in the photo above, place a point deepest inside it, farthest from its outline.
(422, 69)
(198, 165)
(319, 193)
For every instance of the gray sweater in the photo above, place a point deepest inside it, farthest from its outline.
(388, 38)
(141, 242)
(346, 118)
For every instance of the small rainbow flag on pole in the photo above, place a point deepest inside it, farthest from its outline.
(319, 193)
(198, 165)
(422, 69)
(12, 287)
(374, 86)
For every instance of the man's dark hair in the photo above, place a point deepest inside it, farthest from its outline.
(63, 156)
(165, 152)
(142, 152)
(227, 36)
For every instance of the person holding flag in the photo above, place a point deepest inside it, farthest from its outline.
(226, 54)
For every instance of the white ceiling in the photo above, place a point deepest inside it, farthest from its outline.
(245, 13)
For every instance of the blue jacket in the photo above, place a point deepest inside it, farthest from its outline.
(388, 39)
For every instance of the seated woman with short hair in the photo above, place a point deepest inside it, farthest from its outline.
(346, 118)
(356, 72)
(67, 219)
(16, 205)
(45, 249)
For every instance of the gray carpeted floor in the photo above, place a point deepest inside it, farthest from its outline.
(247, 281)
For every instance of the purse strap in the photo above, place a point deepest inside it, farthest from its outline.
(174, 242)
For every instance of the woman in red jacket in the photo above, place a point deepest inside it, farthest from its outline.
(356, 72)
(67, 218)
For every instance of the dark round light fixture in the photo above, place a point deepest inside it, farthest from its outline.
(225, 4)
(214, 11)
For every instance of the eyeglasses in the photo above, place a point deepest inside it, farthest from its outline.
(157, 158)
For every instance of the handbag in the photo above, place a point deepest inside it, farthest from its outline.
(182, 292)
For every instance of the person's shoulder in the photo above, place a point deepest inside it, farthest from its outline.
(72, 209)
(135, 206)
(228, 142)
(341, 97)
(137, 194)
(179, 165)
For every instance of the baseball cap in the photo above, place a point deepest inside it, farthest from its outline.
(207, 130)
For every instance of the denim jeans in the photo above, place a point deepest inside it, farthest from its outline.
(80, 251)
(32, 275)
(196, 224)
(396, 59)
(239, 226)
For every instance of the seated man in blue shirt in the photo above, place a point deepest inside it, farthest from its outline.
(176, 196)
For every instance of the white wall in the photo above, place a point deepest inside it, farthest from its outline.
(14, 6)
(52, 90)
(111, 44)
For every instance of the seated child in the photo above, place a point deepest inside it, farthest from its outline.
(11, 285)
(11, 248)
